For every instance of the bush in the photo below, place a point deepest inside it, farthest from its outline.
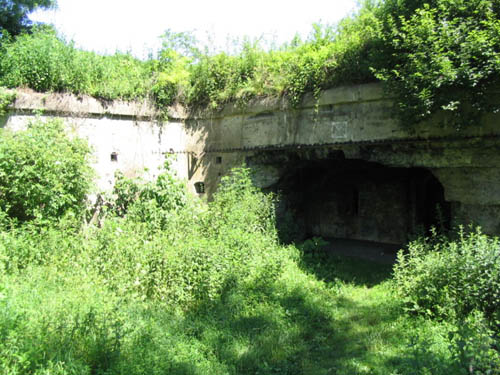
(6, 98)
(474, 345)
(451, 278)
(43, 172)
(458, 282)
(168, 248)
(40, 61)
(151, 202)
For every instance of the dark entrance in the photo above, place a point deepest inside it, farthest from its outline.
(355, 199)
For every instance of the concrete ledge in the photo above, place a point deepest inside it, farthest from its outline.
(339, 95)
(84, 106)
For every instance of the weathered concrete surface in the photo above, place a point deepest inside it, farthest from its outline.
(348, 126)
(130, 131)
(357, 123)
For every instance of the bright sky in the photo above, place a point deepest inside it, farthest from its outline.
(132, 25)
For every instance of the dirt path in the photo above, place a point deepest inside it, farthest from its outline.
(374, 251)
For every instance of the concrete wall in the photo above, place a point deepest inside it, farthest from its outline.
(356, 122)
(130, 131)
(351, 123)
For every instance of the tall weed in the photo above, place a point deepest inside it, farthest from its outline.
(45, 62)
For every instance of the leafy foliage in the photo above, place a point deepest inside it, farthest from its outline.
(171, 251)
(45, 62)
(43, 172)
(318, 63)
(457, 281)
(444, 278)
(150, 202)
(6, 98)
(442, 55)
(209, 291)
(435, 56)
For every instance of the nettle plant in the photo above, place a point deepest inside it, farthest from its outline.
(152, 202)
(444, 278)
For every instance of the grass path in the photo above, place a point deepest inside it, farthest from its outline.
(331, 315)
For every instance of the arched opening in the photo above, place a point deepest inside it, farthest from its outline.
(355, 199)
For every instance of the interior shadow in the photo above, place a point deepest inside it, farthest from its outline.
(358, 200)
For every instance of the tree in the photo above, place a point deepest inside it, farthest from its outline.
(14, 14)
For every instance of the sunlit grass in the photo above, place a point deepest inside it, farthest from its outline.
(343, 322)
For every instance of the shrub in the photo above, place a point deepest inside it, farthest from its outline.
(151, 202)
(44, 173)
(458, 282)
(170, 69)
(451, 278)
(40, 61)
(241, 205)
(474, 345)
(170, 249)
(6, 98)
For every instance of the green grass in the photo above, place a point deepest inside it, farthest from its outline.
(333, 317)
(304, 325)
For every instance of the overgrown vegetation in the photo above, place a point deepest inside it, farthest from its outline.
(441, 55)
(455, 277)
(44, 62)
(457, 280)
(155, 282)
(165, 284)
(43, 173)
(433, 56)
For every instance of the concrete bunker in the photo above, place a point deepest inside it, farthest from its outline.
(356, 199)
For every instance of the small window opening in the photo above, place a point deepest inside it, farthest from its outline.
(218, 160)
(114, 156)
(199, 187)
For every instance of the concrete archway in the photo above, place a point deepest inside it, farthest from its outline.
(356, 199)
